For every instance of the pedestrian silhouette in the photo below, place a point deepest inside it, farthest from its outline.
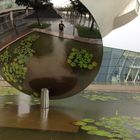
(61, 28)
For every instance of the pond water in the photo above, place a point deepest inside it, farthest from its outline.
(21, 111)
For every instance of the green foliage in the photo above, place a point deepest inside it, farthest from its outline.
(87, 33)
(41, 26)
(137, 98)
(5, 57)
(14, 72)
(115, 128)
(14, 60)
(35, 94)
(88, 120)
(35, 4)
(81, 59)
(89, 95)
(89, 128)
(35, 101)
(79, 123)
(79, 7)
(8, 91)
(23, 2)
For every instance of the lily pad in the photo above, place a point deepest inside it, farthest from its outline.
(88, 120)
(96, 97)
(89, 128)
(79, 123)
(116, 127)
(102, 133)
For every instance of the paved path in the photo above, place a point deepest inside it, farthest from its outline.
(114, 88)
(67, 36)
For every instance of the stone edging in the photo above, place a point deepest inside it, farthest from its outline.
(114, 88)
(85, 40)
(14, 40)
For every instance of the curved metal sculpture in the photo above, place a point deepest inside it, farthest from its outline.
(40, 60)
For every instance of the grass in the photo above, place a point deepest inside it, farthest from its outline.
(87, 33)
(42, 26)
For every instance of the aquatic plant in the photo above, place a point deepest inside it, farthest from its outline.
(137, 98)
(115, 128)
(81, 59)
(94, 97)
(5, 57)
(8, 91)
(14, 59)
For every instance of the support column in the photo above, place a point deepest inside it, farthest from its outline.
(123, 64)
(27, 11)
(128, 75)
(11, 17)
(44, 98)
(136, 76)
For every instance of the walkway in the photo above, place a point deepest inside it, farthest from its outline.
(114, 88)
(67, 36)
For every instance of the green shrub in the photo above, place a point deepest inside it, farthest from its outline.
(87, 33)
(81, 59)
(42, 26)
(13, 60)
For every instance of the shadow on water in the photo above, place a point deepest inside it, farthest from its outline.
(55, 87)
(40, 46)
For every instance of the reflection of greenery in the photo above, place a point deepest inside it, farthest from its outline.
(5, 57)
(35, 101)
(89, 95)
(14, 60)
(87, 33)
(82, 59)
(41, 26)
(116, 128)
(137, 98)
(8, 91)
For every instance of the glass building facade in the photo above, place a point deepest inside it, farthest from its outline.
(119, 66)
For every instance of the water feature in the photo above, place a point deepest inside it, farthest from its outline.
(15, 115)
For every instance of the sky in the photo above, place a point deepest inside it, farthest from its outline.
(60, 3)
(126, 37)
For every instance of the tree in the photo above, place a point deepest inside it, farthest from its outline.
(35, 4)
(82, 10)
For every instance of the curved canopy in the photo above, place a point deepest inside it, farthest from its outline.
(126, 37)
(106, 11)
